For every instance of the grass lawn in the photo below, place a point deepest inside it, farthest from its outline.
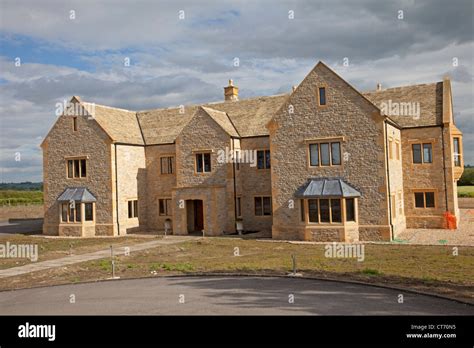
(14, 197)
(466, 191)
(53, 248)
(427, 268)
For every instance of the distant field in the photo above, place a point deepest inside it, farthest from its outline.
(466, 191)
(15, 197)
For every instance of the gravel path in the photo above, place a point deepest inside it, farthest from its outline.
(464, 235)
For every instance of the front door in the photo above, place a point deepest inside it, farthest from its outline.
(198, 216)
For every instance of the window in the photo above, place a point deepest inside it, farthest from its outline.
(416, 153)
(203, 162)
(132, 208)
(350, 209)
(88, 212)
(263, 159)
(326, 210)
(313, 210)
(71, 212)
(76, 168)
(427, 153)
(422, 156)
(429, 200)
(397, 150)
(165, 207)
(167, 165)
(64, 211)
(263, 206)
(325, 154)
(336, 210)
(457, 152)
(78, 212)
(324, 148)
(74, 124)
(419, 200)
(335, 154)
(324, 213)
(314, 154)
(302, 210)
(238, 207)
(322, 96)
(424, 199)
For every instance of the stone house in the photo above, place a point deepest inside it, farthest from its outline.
(323, 163)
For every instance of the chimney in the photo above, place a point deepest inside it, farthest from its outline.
(231, 92)
(379, 86)
(293, 88)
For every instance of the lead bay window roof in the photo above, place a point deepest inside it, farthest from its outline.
(78, 194)
(323, 187)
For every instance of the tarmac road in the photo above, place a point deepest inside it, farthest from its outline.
(223, 296)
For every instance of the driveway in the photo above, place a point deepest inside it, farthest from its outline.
(463, 235)
(21, 226)
(223, 296)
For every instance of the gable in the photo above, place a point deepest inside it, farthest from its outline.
(206, 129)
(341, 98)
(223, 120)
(64, 125)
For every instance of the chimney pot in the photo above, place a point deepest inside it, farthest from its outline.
(231, 92)
(293, 88)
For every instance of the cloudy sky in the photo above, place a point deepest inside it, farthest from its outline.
(80, 48)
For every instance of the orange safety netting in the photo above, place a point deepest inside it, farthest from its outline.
(450, 219)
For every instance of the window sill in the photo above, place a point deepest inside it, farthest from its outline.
(325, 224)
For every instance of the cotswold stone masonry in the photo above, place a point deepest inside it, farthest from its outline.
(145, 169)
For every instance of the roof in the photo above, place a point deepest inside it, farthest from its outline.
(121, 125)
(247, 118)
(78, 194)
(324, 187)
(429, 97)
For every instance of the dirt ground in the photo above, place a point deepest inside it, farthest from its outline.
(432, 269)
(463, 235)
(33, 211)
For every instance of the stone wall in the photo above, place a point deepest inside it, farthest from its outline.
(252, 182)
(159, 186)
(348, 115)
(203, 134)
(132, 185)
(396, 179)
(88, 141)
(426, 176)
